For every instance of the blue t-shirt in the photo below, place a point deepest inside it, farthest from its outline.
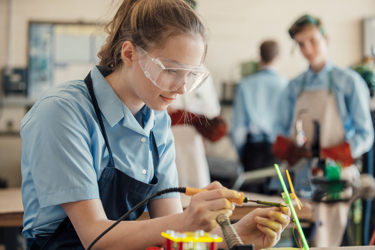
(64, 152)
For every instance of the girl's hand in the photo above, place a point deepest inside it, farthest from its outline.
(206, 206)
(263, 226)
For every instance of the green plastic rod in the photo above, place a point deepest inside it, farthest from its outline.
(290, 203)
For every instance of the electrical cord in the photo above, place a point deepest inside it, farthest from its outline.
(161, 192)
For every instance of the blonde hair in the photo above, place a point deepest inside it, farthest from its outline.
(148, 24)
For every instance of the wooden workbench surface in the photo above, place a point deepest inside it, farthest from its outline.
(11, 208)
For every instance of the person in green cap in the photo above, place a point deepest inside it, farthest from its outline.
(338, 100)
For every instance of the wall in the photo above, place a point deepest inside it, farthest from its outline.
(237, 27)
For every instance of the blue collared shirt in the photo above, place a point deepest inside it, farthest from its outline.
(352, 97)
(64, 152)
(255, 107)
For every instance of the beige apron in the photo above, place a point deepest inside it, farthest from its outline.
(321, 106)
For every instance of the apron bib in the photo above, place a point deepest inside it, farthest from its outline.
(314, 106)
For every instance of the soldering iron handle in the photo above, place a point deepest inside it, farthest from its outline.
(230, 235)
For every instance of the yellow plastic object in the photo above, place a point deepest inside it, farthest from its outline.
(198, 237)
(293, 194)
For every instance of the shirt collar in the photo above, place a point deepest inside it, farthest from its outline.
(113, 109)
(109, 103)
(325, 70)
(267, 68)
(130, 121)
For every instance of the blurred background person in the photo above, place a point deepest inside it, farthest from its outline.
(329, 107)
(194, 117)
(254, 110)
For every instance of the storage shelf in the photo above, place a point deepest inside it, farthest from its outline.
(16, 101)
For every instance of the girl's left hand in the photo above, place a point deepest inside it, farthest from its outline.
(263, 226)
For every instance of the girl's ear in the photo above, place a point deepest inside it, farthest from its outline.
(127, 53)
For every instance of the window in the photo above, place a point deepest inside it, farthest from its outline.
(60, 52)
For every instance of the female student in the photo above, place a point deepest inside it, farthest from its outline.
(93, 149)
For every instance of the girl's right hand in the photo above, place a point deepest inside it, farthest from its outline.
(206, 206)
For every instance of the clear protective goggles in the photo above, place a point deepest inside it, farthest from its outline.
(170, 75)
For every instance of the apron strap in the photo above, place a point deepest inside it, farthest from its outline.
(88, 82)
(154, 151)
(154, 148)
(330, 82)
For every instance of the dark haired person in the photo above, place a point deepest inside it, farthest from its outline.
(93, 149)
(336, 99)
(254, 111)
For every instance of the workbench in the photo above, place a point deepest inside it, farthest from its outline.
(11, 212)
(11, 208)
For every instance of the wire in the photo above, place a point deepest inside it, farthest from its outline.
(298, 242)
(161, 192)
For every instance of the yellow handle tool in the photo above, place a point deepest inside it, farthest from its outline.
(192, 191)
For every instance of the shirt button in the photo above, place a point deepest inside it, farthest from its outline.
(144, 171)
(143, 139)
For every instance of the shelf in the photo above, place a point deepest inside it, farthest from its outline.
(15, 102)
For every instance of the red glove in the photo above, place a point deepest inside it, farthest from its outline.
(212, 129)
(285, 149)
(340, 153)
(179, 116)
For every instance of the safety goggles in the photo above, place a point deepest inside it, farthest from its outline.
(170, 75)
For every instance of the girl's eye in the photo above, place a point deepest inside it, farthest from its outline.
(192, 73)
(171, 71)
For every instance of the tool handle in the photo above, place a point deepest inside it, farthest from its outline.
(192, 191)
(230, 235)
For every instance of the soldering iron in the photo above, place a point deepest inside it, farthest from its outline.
(188, 191)
(239, 201)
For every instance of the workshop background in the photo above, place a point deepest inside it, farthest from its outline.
(236, 29)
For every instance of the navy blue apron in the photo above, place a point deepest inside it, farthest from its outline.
(118, 192)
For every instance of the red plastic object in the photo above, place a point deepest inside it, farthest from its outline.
(340, 153)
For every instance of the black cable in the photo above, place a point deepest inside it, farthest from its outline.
(161, 192)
